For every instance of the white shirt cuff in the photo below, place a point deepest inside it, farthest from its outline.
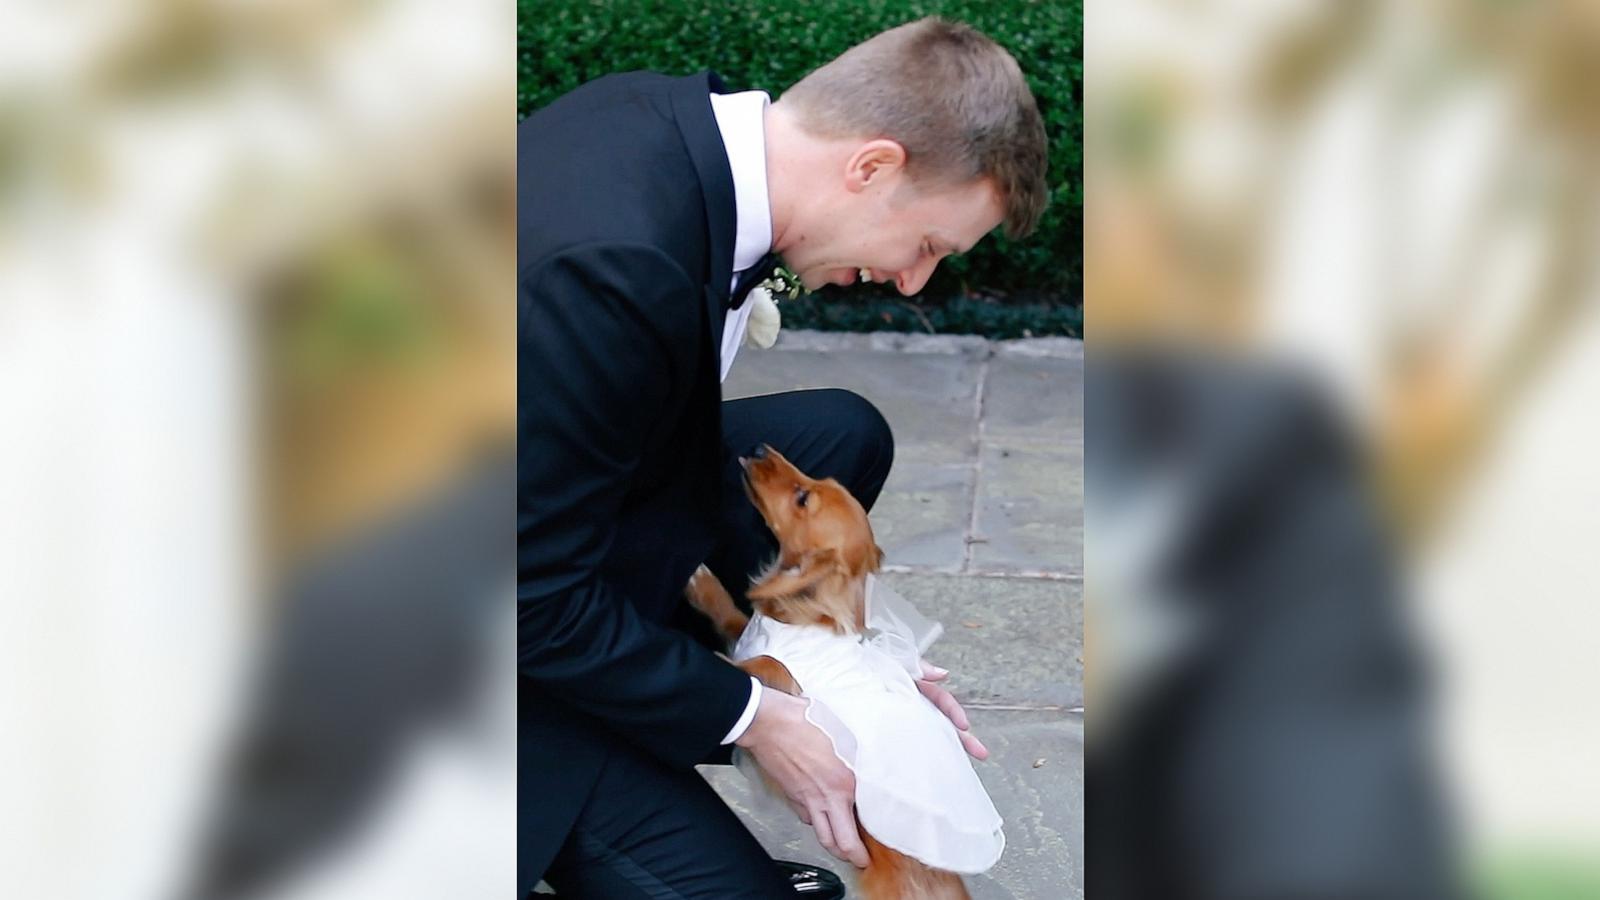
(743, 725)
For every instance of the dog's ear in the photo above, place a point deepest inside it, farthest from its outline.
(814, 567)
(862, 559)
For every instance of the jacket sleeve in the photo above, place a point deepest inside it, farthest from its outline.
(603, 337)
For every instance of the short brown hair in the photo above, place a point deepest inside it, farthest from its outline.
(953, 98)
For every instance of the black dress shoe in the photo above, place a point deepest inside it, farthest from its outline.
(811, 882)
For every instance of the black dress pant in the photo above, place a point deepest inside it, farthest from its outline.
(648, 831)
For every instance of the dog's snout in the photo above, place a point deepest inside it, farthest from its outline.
(759, 451)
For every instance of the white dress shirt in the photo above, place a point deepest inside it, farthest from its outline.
(741, 119)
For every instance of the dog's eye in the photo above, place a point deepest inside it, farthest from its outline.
(801, 496)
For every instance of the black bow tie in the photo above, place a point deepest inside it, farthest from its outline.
(749, 278)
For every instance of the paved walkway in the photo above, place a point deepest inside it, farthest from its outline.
(982, 525)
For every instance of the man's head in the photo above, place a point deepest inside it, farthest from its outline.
(909, 147)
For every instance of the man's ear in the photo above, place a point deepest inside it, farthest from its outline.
(814, 567)
(873, 160)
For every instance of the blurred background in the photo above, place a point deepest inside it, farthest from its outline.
(1341, 265)
(1002, 289)
(256, 372)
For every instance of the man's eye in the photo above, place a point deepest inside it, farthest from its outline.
(801, 497)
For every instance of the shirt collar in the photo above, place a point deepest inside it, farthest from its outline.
(741, 119)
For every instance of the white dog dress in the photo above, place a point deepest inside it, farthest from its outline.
(916, 791)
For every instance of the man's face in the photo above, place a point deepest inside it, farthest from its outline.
(896, 232)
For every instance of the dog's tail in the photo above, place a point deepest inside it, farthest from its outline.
(892, 875)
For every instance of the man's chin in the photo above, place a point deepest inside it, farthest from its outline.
(841, 277)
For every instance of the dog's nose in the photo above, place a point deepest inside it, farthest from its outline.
(759, 451)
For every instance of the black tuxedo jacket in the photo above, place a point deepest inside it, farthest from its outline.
(625, 232)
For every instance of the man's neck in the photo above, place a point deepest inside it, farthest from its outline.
(788, 149)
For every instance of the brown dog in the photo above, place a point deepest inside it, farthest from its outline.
(825, 553)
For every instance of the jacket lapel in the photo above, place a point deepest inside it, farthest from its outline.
(691, 102)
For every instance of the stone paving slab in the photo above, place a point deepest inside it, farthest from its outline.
(1042, 807)
(1022, 446)
(1007, 641)
(921, 518)
(930, 400)
(1030, 508)
(1034, 399)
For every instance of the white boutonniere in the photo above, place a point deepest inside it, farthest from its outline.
(765, 320)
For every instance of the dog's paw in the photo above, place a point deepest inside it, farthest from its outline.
(706, 594)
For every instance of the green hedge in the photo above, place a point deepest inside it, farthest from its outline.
(770, 44)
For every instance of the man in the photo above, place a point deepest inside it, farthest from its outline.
(647, 205)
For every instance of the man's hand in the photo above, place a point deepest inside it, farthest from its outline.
(946, 702)
(797, 756)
